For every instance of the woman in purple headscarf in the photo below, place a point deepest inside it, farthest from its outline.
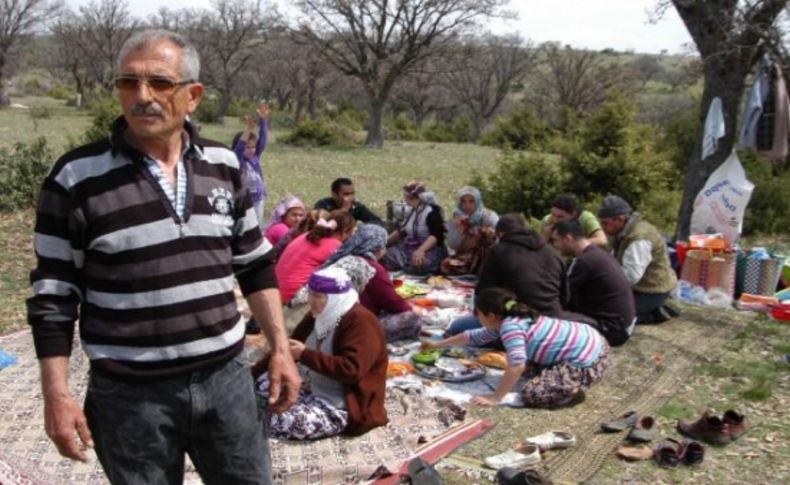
(287, 214)
(342, 355)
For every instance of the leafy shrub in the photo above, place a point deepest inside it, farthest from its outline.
(208, 109)
(34, 86)
(40, 112)
(60, 92)
(522, 130)
(523, 183)
(615, 154)
(22, 171)
(345, 113)
(319, 132)
(456, 131)
(242, 106)
(769, 208)
(103, 111)
(280, 119)
(401, 128)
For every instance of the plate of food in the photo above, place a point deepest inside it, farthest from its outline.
(398, 369)
(458, 353)
(426, 357)
(469, 372)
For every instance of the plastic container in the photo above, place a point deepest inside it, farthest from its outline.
(781, 312)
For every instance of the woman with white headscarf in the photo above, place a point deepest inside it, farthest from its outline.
(341, 352)
(470, 233)
(417, 246)
(359, 256)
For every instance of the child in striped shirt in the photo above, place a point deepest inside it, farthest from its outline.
(561, 358)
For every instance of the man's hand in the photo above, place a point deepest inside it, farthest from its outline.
(65, 422)
(284, 380)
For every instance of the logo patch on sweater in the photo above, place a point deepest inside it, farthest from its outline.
(221, 200)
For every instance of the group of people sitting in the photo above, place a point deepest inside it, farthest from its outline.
(555, 299)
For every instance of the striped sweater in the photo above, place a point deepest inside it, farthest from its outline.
(546, 342)
(153, 291)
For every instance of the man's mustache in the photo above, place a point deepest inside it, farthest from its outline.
(151, 109)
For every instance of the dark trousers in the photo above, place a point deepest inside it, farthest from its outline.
(647, 302)
(142, 431)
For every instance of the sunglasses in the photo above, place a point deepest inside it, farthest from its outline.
(159, 84)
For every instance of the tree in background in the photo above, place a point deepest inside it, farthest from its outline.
(228, 36)
(18, 19)
(419, 93)
(90, 40)
(379, 42)
(482, 72)
(730, 36)
(573, 83)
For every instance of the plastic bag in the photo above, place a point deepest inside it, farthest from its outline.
(720, 205)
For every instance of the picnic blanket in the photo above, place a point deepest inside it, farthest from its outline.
(418, 425)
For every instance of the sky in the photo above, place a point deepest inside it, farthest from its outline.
(593, 24)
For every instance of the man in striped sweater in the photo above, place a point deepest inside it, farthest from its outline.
(141, 236)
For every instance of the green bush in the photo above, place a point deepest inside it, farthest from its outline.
(22, 171)
(282, 120)
(40, 112)
(523, 183)
(401, 128)
(60, 92)
(613, 153)
(319, 132)
(522, 130)
(208, 109)
(34, 86)
(242, 106)
(769, 208)
(103, 111)
(456, 131)
(345, 113)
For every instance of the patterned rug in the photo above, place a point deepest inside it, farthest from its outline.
(418, 426)
(645, 374)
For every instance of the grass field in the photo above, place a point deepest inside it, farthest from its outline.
(747, 373)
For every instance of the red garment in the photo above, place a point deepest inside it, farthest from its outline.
(379, 294)
(358, 362)
(298, 261)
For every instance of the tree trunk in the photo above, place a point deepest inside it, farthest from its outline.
(375, 138)
(224, 104)
(725, 77)
(3, 97)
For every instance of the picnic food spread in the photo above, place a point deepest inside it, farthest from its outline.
(493, 359)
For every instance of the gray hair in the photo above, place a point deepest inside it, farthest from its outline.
(190, 60)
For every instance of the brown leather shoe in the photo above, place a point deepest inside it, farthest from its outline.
(708, 428)
(735, 423)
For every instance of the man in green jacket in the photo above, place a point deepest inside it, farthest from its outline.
(639, 248)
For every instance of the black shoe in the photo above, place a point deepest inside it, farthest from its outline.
(646, 319)
(252, 327)
(511, 476)
(671, 311)
(423, 473)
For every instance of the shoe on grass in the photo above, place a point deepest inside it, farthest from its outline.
(735, 423)
(643, 431)
(708, 428)
(632, 453)
(627, 420)
(252, 327)
(552, 440)
(512, 476)
(527, 454)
